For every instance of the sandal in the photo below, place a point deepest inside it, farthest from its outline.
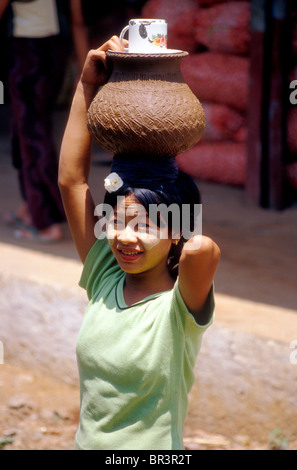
(12, 219)
(31, 234)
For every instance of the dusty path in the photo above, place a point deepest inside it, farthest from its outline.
(40, 413)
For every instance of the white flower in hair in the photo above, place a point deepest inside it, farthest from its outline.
(113, 182)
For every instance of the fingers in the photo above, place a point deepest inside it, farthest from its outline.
(113, 44)
(96, 69)
(96, 55)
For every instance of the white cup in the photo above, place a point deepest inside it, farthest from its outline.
(147, 36)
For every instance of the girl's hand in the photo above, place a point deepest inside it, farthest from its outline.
(96, 71)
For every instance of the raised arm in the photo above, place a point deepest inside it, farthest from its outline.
(197, 266)
(75, 155)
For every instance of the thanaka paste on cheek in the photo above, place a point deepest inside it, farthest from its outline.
(149, 240)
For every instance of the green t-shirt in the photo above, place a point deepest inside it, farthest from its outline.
(135, 363)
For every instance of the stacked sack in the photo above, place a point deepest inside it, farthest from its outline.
(217, 35)
(179, 15)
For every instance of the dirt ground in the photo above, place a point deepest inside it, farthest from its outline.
(36, 412)
(40, 413)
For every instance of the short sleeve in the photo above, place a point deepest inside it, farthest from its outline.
(99, 264)
(184, 316)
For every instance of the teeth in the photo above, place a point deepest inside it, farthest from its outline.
(130, 252)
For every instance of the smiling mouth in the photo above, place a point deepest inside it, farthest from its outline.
(129, 254)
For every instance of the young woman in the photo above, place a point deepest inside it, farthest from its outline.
(142, 330)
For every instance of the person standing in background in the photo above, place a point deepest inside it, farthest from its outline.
(41, 34)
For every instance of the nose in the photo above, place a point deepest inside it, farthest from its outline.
(127, 235)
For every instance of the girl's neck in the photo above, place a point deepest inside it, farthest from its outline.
(139, 286)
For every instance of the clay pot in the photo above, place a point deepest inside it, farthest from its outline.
(146, 108)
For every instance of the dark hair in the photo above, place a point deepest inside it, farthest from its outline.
(182, 191)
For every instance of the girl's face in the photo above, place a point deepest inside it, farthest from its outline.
(136, 242)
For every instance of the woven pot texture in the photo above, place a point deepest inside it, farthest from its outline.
(146, 108)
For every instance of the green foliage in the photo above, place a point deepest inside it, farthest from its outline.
(277, 441)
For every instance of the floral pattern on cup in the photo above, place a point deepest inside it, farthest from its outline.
(159, 40)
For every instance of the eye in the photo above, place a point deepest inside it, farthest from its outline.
(117, 224)
(142, 227)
